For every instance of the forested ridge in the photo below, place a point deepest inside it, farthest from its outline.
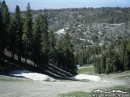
(61, 18)
(88, 26)
(32, 40)
(98, 36)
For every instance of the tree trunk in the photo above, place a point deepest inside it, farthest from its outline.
(26, 53)
(34, 63)
(12, 55)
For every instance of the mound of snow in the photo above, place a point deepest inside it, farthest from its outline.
(87, 77)
(31, 75)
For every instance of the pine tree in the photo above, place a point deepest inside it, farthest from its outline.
(12, 37)
(45, 42)
(128, 49)
(69, 56)
(115, 62)
(127, 57)
(97, 66)
(5, 19)
(27, 31)
(60, 54)
(66, 59)
(40, 44)
(52, 55)
(37, 42)
(19, 33)
(126, 60)
(103, 64)
(108, 66)
(15, 34)
(0, 32)
(122, 52)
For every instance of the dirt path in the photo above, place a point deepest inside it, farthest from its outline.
(29, 88)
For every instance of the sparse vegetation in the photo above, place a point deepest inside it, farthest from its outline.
(88, 70)
(76, 94)
(9, 79)
(122, 88)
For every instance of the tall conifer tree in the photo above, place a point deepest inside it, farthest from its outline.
(12, 37)
(52, 55)
(5, 19)
(19, 33)
(0, 32)
(40, 41)
(15, 34)
(45, 42)
(27, 31)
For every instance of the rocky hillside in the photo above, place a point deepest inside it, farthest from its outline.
(96, 33)
(88, 26)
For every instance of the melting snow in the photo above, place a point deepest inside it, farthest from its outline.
(31, 75)
(87, 77)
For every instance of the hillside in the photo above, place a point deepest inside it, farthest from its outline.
(97, 34)
(89, 26)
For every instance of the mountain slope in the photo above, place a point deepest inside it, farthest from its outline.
(88, 26)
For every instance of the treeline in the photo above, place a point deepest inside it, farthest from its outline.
(32, 39)
(61, 18)
(87, 56)
(107, 59)
(116, 58)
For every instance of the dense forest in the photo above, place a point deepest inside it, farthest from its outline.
(114, 57)
(33, 40)
(98, 36)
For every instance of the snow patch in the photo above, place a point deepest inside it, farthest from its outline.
(87, 77)
(61, 31)
(31, 75)
(100, 44)
(82, 39)
(100, 32)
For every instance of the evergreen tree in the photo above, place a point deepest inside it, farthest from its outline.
(126, 60)
(128, 49)
(12, 37)
(66, 59)
(69, 56)
(122, 52)
(97, 66)
(37, 45)
(103, 64)
(27, 32)
(19, 33)
(60, 54)
(127, 57)
(15, 34)
(45, 42)
(1, 32)
(115, 62)
(108, 66)
(52, 55)
(5, 19)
